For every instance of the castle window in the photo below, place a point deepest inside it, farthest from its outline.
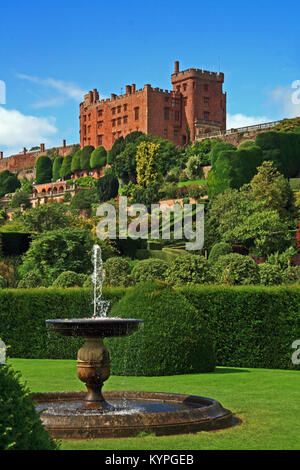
(113, 123)
(176, 115)
(119, 109)
(206, 116)
(84, 117)
(166, 114)
(100, 112)
(99, 139)
(113, 111)
(119, 121)
(184, 86)
(136, 113)
(178, 87)
(99, 124)
(206, 87)
(125, 119)
(205, 100)
(175, 132)
(125, 107)
(89, 116)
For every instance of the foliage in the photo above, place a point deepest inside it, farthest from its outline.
(202, 150)
(270, 274)
(117, 272)
(19, 199)
(2, 282)
(8, 182)
(85, 156)
(43, 170)
(30, 280)
(98, 157)
(23, 315)
(194, 168)
(188, 269)
(253, 326)
(84, 199)
(56, 251)
(68, 279)
(7, 272)
(20, 426)
(173, 341)
(76, 161)
(117, 148)
(235, 269)
(217, 149)
(46, 217)
(65, 169)
(219, 249)
(268, 184)
(147, 164)
(108, 186)
(150, 269)
(246, 143)
(125, 163)
(56, 167)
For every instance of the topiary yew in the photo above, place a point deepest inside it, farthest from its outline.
(173, 340)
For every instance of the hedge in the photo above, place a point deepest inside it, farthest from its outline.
(23, 313)
(253, 326)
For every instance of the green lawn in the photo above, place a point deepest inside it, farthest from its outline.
(190, 183)
(267, 401)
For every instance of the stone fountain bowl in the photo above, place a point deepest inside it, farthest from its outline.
(94, 327)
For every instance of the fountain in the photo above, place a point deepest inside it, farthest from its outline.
(117, 413)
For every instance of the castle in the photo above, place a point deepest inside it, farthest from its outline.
(196, 105)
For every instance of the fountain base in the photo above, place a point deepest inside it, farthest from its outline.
(129, 414)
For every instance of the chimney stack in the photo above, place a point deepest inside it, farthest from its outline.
(133, 88)
(176, 66)
(128, 89)
(64, 143)
(1, 155)
(42, 148)
(24, 150)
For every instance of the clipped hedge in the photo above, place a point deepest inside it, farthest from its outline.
(173, 340)
(253, 326)
(23, 313)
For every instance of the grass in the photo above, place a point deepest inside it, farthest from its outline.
(267, 401)
(190, 183)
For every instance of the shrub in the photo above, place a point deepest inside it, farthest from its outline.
(291, 275)
(7, 272)
(85, 156)
(2, 282)
(194, 168)
(23, 313)
(76, 163)
(43, 170)
(88, 283)
(188, 269)
(20, 424)
(56, 167)
(30, 280)
(68, 279)
(150, 269)
(253, 326)
(247, 143)
(174, 339)
(65, 169)
(219, 249)
(235, 269)
(270, 274)
(117, 272)
(98, 157)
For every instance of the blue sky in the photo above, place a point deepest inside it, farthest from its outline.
(52, 52)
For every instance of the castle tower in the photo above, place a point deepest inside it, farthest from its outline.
(204, 103)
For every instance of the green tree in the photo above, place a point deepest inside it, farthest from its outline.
(19, 199)
(147, 164)
(65, 170)
(85, 157)
(98, 157)
(46, 217)
(43, 170)
(56, 167)
(108, 186)
(56, 251)
(194, 168)
(8, 182)
(76, 161)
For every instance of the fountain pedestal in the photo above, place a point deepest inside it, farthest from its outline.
(93, 368)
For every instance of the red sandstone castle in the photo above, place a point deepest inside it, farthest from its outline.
(196, 105)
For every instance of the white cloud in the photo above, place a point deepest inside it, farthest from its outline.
(286, 98)
(18, 130)
(235, 121)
